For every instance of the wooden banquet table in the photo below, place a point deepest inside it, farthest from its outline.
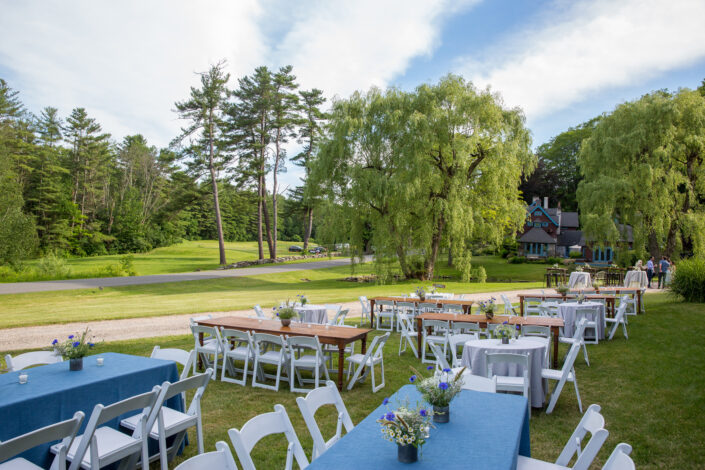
(554, 323)
(620, 291)
(339, 336)
(466, 304)
(610, 300)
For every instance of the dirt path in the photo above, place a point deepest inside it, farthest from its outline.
(36, 337)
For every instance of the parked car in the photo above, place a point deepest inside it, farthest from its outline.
(316, 250)
(295, 248)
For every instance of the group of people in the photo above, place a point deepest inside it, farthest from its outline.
(663, 270)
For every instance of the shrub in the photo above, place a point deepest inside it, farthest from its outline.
(127, 266)
(517, 260)
(504, 253)
(478, 274)
(689, 280)
(575, 255)
(552, 260)
(53, 267)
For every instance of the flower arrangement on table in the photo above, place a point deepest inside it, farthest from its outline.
(438, 390)
(505, 332)
(285, 313)
(555, 266)
(579, 269)
(408, 427)
(562, 289)
(488, 307)
(581, 297)
(421, 293)
(302, 299)
(74, 349)
(595, 285)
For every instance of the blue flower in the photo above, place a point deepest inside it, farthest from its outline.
(423, 412)
(389, 416)
(443, 385)
(70, 336)
(412, 379)
(76, 344)
(90, 345)
(429, 368)
(381, 417)
(277, 313)
(55, 341)
(446, 370)
(518, 327)
(504, 322)
(385, 401)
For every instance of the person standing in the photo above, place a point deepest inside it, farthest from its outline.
(662, 270)
(650, 270)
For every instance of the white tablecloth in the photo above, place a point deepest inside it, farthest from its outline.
(440, 296)
(474, 360)
(579, 280)
(636, 276)
(311, 313)
(567, 310)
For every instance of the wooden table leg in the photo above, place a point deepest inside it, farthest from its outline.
(372, 313)
(341, 364)
(521, 305)
(556, 332)
(200, 361)
(418, 334)
(638, 301)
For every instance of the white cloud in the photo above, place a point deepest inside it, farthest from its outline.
(588, 47)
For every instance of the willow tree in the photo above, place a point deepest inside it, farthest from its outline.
(437, 167)
(643, 166)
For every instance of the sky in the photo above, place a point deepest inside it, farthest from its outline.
(562, 62)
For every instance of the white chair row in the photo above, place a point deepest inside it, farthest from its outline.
(31, 359)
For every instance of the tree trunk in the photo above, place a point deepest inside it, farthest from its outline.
(654, 249)
(259, 218)
(450, 255)
(309, 227)
(216, 202)
(265, 210)
(275, 188)
(435, 245)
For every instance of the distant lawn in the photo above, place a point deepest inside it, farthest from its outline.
(651, 389)
(320, 286)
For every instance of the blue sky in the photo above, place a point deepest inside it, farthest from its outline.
(563, 62)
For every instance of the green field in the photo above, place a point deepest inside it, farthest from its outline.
(651, 389)
(319, 285)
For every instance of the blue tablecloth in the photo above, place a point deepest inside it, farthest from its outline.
(486, 431)
(54, 393)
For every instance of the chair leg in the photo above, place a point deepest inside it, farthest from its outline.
(624, 328)
(554, 396)
(577, 393)
(587, 361)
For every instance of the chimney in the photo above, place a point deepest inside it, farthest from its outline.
(535, 198)
(559, 215)
(545, 203)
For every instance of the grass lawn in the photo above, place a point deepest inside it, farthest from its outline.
(651, 389)
(319, 285)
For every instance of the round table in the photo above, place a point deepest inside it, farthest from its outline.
(567, 310)
(579, 280)
(311, 313)
(474, 360)
(637, 277)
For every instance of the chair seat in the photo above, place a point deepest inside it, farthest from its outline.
(209, 345)
(358, 358)
(306, 361)
(174, 421)
(19, 464)
(507, 381)
(272, 357)
(436, 338)
(555, 374)
(386, 313)
(527, 463)
(239, 352)
(110, 442)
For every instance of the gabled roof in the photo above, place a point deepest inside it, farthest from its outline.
(530, 210)
(570, 220)
(537, 235)
(571, 238)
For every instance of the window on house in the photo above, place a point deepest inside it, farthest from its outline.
(544, 224)
(537, 224)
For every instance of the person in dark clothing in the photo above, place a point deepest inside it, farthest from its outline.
(663, 266)
(650, 270)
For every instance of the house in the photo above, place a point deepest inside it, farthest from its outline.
(551, 232)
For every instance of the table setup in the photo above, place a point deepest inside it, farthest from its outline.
(579, 279)
(474, 360)
(485, 430)
(53, 393)
(636, 279)
(312, 313)
(567, 311)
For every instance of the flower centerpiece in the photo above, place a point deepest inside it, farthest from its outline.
(421, 293)
(488, 308)
(581, 297)
(407, 427)
(74, 349)
(285, 313)
(302, 299)
(562, 289)
(439, 390)
(505, 331)
(579, 269)
(595, 285)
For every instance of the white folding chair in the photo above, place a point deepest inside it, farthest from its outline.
(539, 333)
(566, 374)
(336, 311)
(269, 349)
(453, 308)
(259, 312)
(439, 329)
(531, 305)
(619, 319)
(99, 446)
(578, 338)
(339, 319)
(169, 422)
(387, 310)
(408, 334)
(64, 430)
(442, 364)
(426, 307)
(35, 358)
(459, 339)
(185, 358)
(211, 348)
(194, 320)
(221, 459)
(367, 361)
(365, 311)
(508, 307)
(237, 346)
(407, 308)
(326, 395)
(276, 422)
(591, 318)
(592, 422)
(506, 383)
(479, 383)
(619, 458)
(466, 327)
(314, 362)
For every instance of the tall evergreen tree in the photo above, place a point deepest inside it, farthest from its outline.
(204, 111)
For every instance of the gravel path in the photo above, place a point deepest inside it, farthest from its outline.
(36, 337)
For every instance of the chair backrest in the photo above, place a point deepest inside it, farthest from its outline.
(221, 459)
(35, 358)
(208, 332)
(295, 343)
(259, 312)
(459, 339)
(594, 423)
(407, 326)
(194, 320)
(336, 310)
(499, 358)
(466, 326)
(619, 458)
(276, 422)
(438, 326)
(579, 333)
(234, 338)
(198, 382)
(622, 309)
(453, 308)
(185, 358)
(441, 360)
(385, 303)
(326, 395)
(570, 358)
(427, 307)
(479, 383)
(406, 306)
(365, 304)
(339, 318)
(64, 430)
(536, 330)
(376, 349)
(508, 307)
(259, 338)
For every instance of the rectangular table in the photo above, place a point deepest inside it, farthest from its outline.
(636, 291)
(486, 431)
(53, 393)
(339, 336)
(610, 300)
(554, 323)
(466, 304)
